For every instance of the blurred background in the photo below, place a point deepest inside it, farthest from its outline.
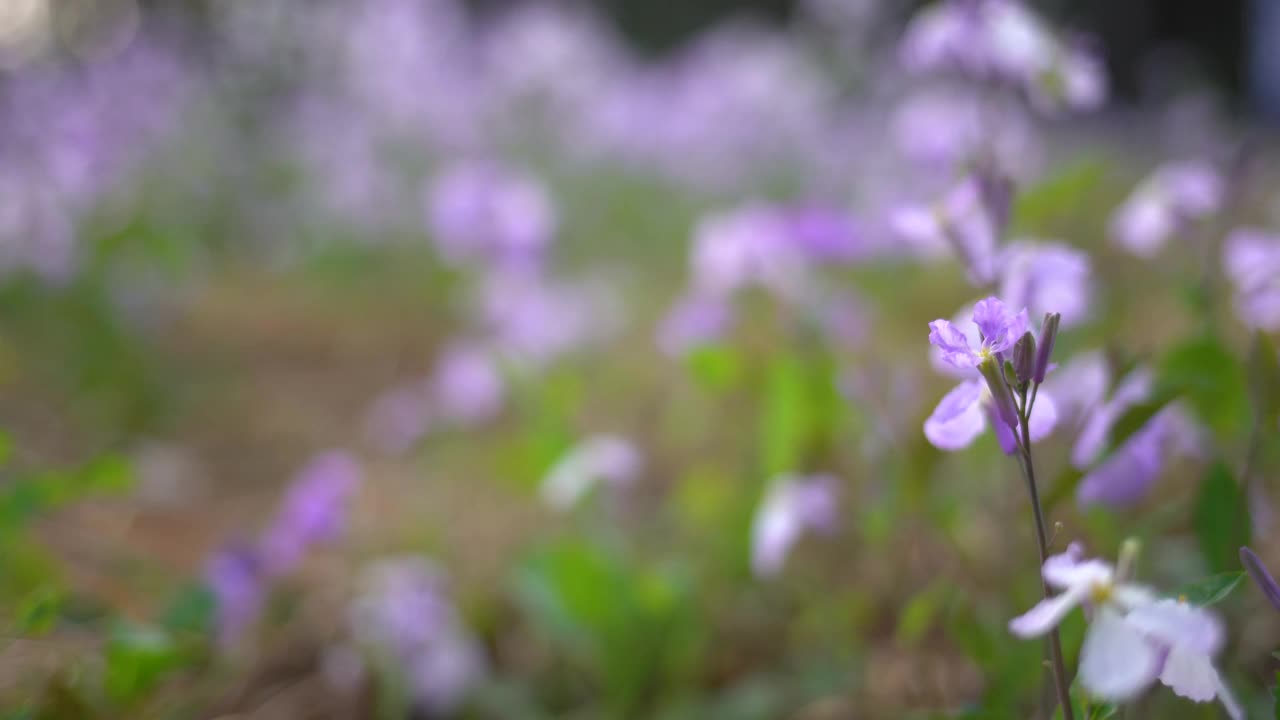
(540, 359)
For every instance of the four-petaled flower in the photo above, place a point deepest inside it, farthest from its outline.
(1134, 638)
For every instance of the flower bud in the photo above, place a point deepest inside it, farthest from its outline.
(1001, 395)
(1048, 334)
(1260, 576)
(1126, 565)
(1024, 357)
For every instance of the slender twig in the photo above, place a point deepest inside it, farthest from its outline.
(1042, 543)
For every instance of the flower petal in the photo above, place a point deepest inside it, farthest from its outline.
(1044, 417)
(953, 344)
(1047, 613)
(1190, 674)
(958, 419)
(1067, 569)
(993, 320)
(1116, 661)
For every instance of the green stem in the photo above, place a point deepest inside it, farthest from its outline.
(1042, 543)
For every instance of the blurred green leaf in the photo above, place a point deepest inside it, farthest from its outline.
(1221, 519)
(137, 658)
(1213, 381)
(37, 613)
(191, 610)
(1211, 590)
(919, 614)
(716, 367)
(1264, 378)
(1057, 197)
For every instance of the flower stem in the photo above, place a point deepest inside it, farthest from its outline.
(1042, 542)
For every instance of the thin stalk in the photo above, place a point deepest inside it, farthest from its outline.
(1042, 543)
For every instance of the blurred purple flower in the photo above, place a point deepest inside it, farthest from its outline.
(1131, 390)
(695, 320)
(599, 458)
(744, 247)
(529, 320)
(405, 617)
(1046, 277)
(467, 386)
(1080, 385)
(400, 417)
(314, 511)
(960, 223)
(1251, 258)
(823, 234)
(1164, 203)
(1126, 476)
(792, 506)
(237, 578)
(480, 212)
(950, 128)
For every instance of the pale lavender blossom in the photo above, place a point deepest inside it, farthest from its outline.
(1004, 40)
(1046, 277)
(530, 320)
(960, 223)
(823, 234)
(481, 212)
(1129, 392)
(1133, 638)
(792, 506)
(467, 386)
(400, 417)
(1080, 385)
(745, 247)
(964, 413)
(696, 320)
(610, 459)
(1126, 476)
(1165, 204)
(949, 127)
(314, 511)
(406, 619)
(1251, 259)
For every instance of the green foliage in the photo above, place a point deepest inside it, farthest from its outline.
(1058, 197)
(1211, 590)
(1221, 519)
(137, 658)
(1213, 381)
(632, 628)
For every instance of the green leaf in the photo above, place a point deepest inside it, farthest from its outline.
(716, 367)
(1221, 519)
(1211, 590)
(38, 612)
(1213, 381)
(138, 657)
(918, 616)
(1059, 196)
(1264, 378)
(191, 610)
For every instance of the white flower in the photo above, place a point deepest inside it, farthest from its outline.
(1116, 662)
(599, 457)
(1133, 638)
(792, 506)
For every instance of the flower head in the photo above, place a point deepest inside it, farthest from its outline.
(999, 329)
(1133, 638)
(792, 506)
(483, 212)
(1164, 204)
(1251, 258)
(314, 510)
(606, 458)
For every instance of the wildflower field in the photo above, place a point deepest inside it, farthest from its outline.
(408, 359)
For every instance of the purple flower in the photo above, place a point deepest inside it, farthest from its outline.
(998, 330)
(1080, 385)
(314, 511)
(530, 320)
(1164, 204)
(1046, 277)
(608, 458)
(467, 386)
(963, 413)
(400, 417)
(823, 234)
(961, 223)
(745, 247)
(482, 212)
(237, 577)
(1261, 577)
(695, 320)
(950, 128)
(1251, 258)
(792, 506)
(405, 618)
(1126, 476)
(1133, 389)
